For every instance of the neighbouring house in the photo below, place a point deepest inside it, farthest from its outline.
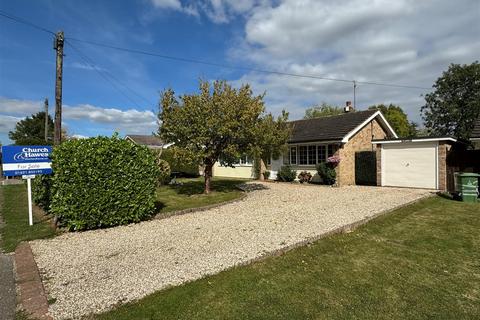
(475, 135)
(151, 141)
(314, 140)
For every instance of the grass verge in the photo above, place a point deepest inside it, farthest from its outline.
(419, 262)
(14, 213)
(190, 194)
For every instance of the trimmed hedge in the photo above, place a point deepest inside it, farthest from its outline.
(102, 182)
(41, 191)
(178, 167)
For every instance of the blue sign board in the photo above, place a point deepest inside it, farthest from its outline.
(26, 160)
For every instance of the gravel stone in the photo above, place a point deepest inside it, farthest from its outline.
(91, 272)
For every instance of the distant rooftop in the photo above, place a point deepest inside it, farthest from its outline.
(146, 140)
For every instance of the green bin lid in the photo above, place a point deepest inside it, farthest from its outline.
(473, 175)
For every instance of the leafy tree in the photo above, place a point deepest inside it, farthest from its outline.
(322, 110)
(398, 119)
(31, 130)
(219, 123)
(454, 105)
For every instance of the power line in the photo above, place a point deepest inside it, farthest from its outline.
(20, 20)
(109, 74)
(90, 63)
(213, 64)
(208, 63)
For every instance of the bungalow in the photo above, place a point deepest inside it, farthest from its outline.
(314, 140)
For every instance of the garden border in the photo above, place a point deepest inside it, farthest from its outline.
(198, 209)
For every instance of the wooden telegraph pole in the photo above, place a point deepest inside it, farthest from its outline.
(46, 119)
(58, 46)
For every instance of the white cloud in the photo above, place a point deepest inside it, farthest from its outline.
(129, 121)
(175, 5)
(84, 66)
(218, 11)
(7, 123)
(79, 136)
(22, 107)
(170, 4)
(402, 42)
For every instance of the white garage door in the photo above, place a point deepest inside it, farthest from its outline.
(410, 165)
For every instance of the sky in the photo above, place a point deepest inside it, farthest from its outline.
(406, 42)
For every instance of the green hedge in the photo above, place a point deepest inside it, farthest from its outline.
(177, 167)
(41, 191)
(102, 182)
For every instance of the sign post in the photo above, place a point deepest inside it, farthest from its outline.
(26, 161)
(29, 188)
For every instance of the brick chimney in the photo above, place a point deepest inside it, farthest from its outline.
(348, 107)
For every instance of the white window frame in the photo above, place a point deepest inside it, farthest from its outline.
(336, 145)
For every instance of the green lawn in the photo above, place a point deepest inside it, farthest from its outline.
(190, 194)
(420, 262)
(14, 211)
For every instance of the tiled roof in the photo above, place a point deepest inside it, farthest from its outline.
(476, 130)
(332, 128)
(149, 140)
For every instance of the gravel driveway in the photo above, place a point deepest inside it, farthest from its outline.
(90, 272)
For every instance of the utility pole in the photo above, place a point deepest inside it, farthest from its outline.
(354, 94)
(46, 119)
(58, 46)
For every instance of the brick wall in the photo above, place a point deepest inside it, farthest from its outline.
(443, 149)
(362, 141)
(379, 165)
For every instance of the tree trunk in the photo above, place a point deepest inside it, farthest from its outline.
(263, 168)
(208, 177)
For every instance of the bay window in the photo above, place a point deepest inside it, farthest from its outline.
(302, 155)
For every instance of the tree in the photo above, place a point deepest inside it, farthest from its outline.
(322, 110)
(398, 119)
(31, 130)
(219, 123)
(454, 105)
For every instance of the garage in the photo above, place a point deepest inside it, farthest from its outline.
(413, 163)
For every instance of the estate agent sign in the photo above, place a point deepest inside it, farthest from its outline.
(26, 161)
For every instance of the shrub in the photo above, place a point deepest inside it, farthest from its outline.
(177, 167)
(41, 191)
(102, 182)
(163, 169)
(304, 176)
(286, 174)
(266, 175)
(326, 170)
